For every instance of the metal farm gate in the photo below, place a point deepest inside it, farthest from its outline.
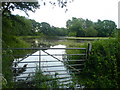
(43, 69)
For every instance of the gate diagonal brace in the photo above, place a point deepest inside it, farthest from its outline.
(61, 61)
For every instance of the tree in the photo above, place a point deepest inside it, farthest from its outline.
(36, 27)
(7, 7)
(90, 31)
(45, 28)
(105, 27)
(76, 26)
(88, 23)
(89, 28)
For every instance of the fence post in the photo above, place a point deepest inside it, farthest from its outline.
(89, 49)
(39, 59)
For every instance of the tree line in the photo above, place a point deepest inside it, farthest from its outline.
(23, 26)
(86, 28)
(77, 27)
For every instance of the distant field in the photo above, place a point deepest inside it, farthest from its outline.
(88, 38)
(70, 38)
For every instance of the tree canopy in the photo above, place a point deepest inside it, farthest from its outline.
(7, 7)
(76, 27)
(80, 27)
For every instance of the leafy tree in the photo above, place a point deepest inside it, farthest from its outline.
(76, 26)
(80, 27)
(7, 7)
(90, 32)
(105, 27)
(36, 27)
(60, 32)
(88, 23)
(45, 28)
(16, 25)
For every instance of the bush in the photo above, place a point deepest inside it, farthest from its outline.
(10, 41)
(102, 69)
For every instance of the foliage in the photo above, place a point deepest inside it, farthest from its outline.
(76, 26)
(45, 29)
(79, 27)
(105, 27)
(39, 80)
(102, 69)
(23, 27)
(8, 56)
(13, 26)
(7, 7)
(90, 32)
(45, 81)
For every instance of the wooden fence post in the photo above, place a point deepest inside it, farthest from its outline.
(89, 49)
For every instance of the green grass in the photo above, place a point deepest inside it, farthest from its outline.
(29, 37)
(8, 55)
(87, 38)
(71, 44)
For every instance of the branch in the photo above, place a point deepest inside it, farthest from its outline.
(5, 9)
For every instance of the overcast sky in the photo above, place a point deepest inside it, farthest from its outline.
(86, 9)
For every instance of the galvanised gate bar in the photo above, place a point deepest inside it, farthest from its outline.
(44, 68)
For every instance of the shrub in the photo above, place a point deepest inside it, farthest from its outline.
(102, 69)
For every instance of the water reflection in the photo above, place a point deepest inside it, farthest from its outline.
(46, 66)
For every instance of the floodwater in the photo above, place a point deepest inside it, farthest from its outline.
(46, 63)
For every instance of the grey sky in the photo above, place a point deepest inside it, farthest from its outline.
(86, 9)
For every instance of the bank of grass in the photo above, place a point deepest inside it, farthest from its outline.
(8, 55)
(87, 38)
(36, 37)
(29, 37)
(71, 44)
